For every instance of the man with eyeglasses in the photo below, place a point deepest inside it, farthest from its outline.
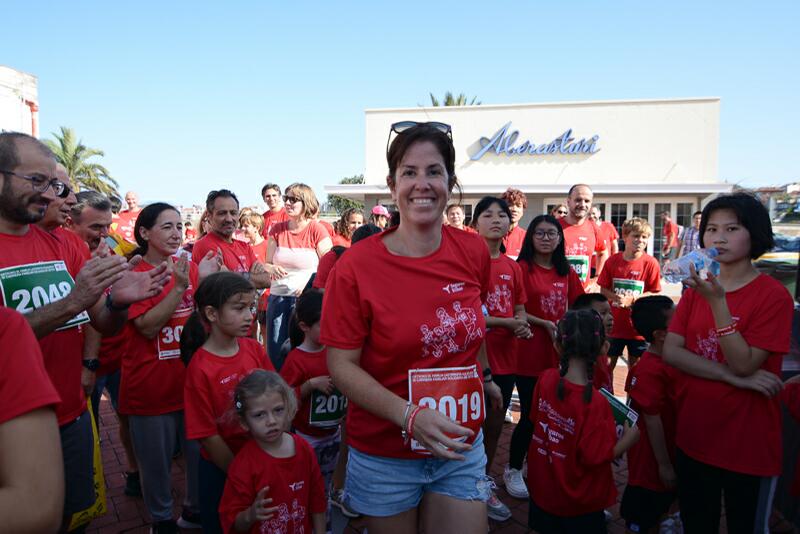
(237, 256)
(58, 290)
(271, 193)
(581, 235)
(607, 232)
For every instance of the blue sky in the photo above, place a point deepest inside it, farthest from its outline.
(185, 97)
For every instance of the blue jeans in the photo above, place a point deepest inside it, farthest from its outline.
(111, 384)
(279, 312)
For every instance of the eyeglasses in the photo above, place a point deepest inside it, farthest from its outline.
(40, 183)
(402, 126)
(545, 235)
(291, 200)
(562, 212)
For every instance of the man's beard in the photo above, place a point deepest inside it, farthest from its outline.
(12, 210)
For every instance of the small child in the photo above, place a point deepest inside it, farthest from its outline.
(627, 276)
(651, 386)
(574, 442)
(602, 375)
(274, 483)
(322, 406)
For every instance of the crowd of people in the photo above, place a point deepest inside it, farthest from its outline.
(298, 366)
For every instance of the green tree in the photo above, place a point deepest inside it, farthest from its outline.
(75, 156)
(452, 100)
(341, 204)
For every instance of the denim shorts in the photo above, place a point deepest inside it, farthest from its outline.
(381, 487)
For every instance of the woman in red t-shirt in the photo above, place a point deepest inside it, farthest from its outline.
(405, 332)
(349, 222)
(728, 336)
(151, 386)
(506, 322)
(575, 437)
(550, 286)
(218, 353)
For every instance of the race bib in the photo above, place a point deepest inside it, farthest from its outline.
(169, 339)
(628, 288)
(457, 392)
(29, 287)
(579, 264)
(326, 410)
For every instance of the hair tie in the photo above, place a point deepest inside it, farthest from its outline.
(237, 402)
(597, 333)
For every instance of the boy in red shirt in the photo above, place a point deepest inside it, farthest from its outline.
(626, 277)
(651, 387)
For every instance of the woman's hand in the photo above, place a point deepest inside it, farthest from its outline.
(276, 272)
(180, 271)
(492, 392)
(764, 382)
(710, 288)
(430, 430)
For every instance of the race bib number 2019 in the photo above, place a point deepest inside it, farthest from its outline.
(29, 287)
(457, 392)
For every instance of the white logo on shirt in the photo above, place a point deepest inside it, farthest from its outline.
(297, 485)
(455, 287)
(499, 300)
(442, 337)
(505, 276)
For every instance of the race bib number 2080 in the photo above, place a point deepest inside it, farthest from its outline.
(29, 287)
(457, 392)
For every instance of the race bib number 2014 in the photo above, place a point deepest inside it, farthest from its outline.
(26, 288)
(326, 410)
(457, 392)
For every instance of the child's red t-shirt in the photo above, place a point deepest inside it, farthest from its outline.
(296, 487)
(651, 386)
(208, 392)
(506, 290)
(569, 459)
(718, 424)
(313, 413)
(625, 277)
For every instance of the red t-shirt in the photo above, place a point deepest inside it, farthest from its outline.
(506, 290)
(70, 237)
(25, 291)
(569, 458)
(341, 241)
(270, 218)
(718, 424)
(671, 234)
(208, 392)
(237, 256)
(580, 242)
(651, 385)
(409, 313)
(152, 370)
(328, 227)
(260, 251)
(324, 268)
(609, 234)
(24, 384)
(603, 377)
(300, 366)
(634, 277)
(513, 242)
(126, 221)
(549, 295)
(296, 488)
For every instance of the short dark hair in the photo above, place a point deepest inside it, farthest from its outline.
(116, 204)
(214, 195)
(9, 155)
(576, 186)
(364, 231)
(89, 199)
(585, 301)
(420, 134)
(649, 314)
(695, 214)
(276, 187)
(751, 214)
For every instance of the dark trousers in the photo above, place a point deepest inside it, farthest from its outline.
(521, 437)
(212, 483)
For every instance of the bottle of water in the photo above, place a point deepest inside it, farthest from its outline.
(703, 260)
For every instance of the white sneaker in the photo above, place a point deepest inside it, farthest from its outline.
(515, 484)
(509, 417)
(497, 510)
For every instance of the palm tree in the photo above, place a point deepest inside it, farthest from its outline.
(450, 100)
(74, 156)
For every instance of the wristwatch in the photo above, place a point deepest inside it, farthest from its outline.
(91, 365)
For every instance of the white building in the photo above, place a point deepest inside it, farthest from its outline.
(19, 102)
(641, 157)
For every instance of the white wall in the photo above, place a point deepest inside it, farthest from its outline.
(15, 88)
(640, 142)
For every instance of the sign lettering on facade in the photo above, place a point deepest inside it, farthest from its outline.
(505, 142)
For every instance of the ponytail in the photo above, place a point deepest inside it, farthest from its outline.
(193, 336)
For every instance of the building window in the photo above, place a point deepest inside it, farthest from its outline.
(683, 216)
(641, 210)
(619, 213)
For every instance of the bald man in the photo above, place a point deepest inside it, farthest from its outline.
(126, 219)
(581, 236)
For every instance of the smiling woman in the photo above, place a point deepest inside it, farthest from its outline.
(387, 353)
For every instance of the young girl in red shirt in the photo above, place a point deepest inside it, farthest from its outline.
(506, 322)
(218, 353)
(728, 336)
(274, 483)
(322, 406)
(574, 441)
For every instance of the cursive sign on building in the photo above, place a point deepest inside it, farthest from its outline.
(505, 142)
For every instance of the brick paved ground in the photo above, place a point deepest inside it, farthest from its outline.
(126, 514)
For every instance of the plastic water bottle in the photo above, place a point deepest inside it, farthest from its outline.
(703, 260)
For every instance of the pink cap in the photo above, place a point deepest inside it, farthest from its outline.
(380, 210)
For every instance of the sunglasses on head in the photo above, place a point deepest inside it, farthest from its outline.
(402, 126)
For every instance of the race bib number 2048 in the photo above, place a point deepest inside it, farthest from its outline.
(29, 287)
